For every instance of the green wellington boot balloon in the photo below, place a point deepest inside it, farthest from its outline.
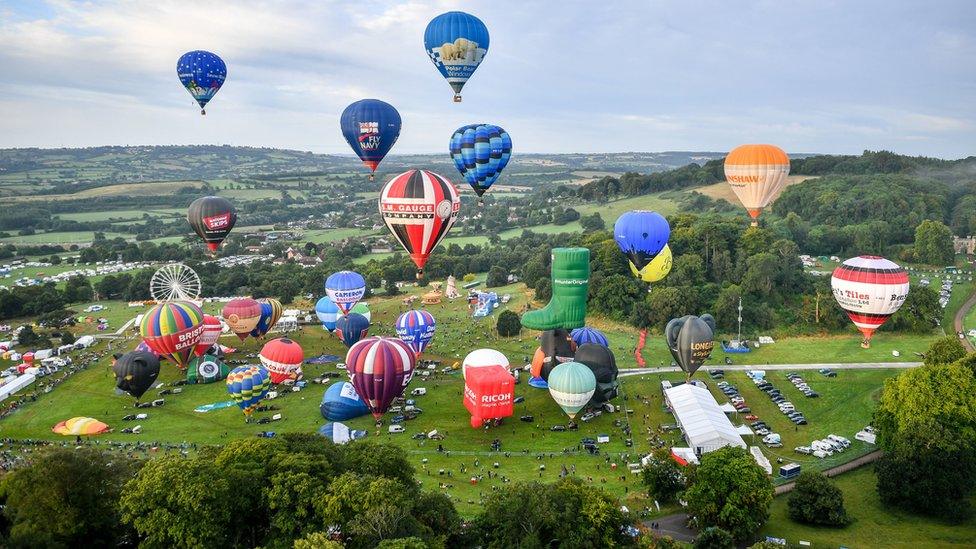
(570, 281)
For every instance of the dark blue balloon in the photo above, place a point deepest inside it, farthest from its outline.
(480, 152)
(202, 74)
(586, 334)
(641, 234)
(371, 127)
(262, 327)
(341, 402)
(351, 328)
(456, 42)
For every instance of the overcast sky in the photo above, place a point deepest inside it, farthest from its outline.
(566, 76)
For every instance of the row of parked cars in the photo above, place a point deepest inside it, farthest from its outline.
(801, 385)
(735, 398)
(784, 405)
(825, 447)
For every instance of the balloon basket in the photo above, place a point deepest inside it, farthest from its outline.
(372, 177)
(203, 112)
(457, 98)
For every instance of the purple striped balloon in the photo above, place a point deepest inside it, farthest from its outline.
(379, 369)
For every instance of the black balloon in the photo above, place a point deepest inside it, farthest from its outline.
(212, 218)
(558, 347)
(136, 372)
(603, 364)
(689, 339)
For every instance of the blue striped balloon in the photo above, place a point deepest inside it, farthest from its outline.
(416, 329)
(345, 289)
(588, 335)
(456, 42)
(480, 152)
(328, 313)
(340, 402)
(351, 328)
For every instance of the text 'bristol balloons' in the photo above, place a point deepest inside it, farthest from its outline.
(379, 369)
(172, 330)
(135, 372)
(328, 313)
(657, 269)
(371, 127)
(870, 289)
(212, 327)
(641, 235)
(212, 218)
(481, 358)
(480, 152)
(416, 329)
(572, 385)
(489, 393)
(340, 433)
(690, 340)
(457, 43)
(248, 385)
(340, 402)
(345, 289)
(271, 311)
(588, 335)
(242, 315)
(202, 74)
(756, 174)
(351, 328)
(419, 208)
(282, 357)
(600, 360)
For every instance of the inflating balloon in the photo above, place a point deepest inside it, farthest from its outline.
(212, 328)
(282, 357)
(212, 218)
(419, 208)
(690, 340)
(351, 328)
(345, 289)
(480, 152)
(489, 393)
(379, 369)
(371, 127)
(339, 433)
(362, 308)
(172, 330)
(555, 347)
(242, 315)
(206, 369)
(135, 372)
(586, 334)
(657, 269)
(340, 402)
(572, 385)
(416, 329)
(457, 43)
(202, 74)
(327, 312)
(248, 385)
(271, 311)
(756, 174)
(600, 360)
(870, 289)
(480, 358)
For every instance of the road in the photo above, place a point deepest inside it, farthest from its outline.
(833, 366)
(960, 315)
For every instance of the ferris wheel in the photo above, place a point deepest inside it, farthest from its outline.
(175, 282)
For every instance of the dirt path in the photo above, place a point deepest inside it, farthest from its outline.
(960, 315)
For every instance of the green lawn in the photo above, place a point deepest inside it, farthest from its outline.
(874, 526)
(58, 238)
(612, 210)
(121, 215)
(321, 236)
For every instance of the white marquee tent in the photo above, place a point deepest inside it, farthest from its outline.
(703, 423)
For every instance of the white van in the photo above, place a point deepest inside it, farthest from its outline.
(419, 391)
(396, 429)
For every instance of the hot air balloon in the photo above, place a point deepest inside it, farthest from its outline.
(555, 347)
(248, 385)
(340, 402)
(456, 42)
(212, 328)
(588, 335)
(202, 74)
(641, 235)
(345, 289)
(212, 218)
(172, 330)
(379, 369)
(339, 433)
(206, 369)
(571, 385)
(135, 372)
(489, 393)
(371, 127)
(600, 360)
(689, 339)
(481, 358)
(416, 329)
(328, 313)
(657, 269)
(80, 426)
(242, 315)
(419, 208)
(362, 308)
(756, 174)
(869, 289)
(480, 152)
(282, 357)
(271, 311)
(351, 328)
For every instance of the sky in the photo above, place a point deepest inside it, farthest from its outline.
(567, 76)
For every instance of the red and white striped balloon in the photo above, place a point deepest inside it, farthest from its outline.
(870, 289)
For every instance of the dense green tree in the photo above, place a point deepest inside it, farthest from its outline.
(317, 540)
(920, 312)
(663, 477)
(729, 490)
(814, 500)
(413, 542)
(714, 537)
(496, 277)
(933, 243)
(509, 324)
(77, 289)
(615, 295)
(543, 289)
(944, 350)
(391, 287)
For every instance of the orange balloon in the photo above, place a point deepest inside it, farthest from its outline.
(756, 174)
(537, 360)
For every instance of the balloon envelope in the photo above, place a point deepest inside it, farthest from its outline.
(600, 360)
(271, 311)
(379, 369)
(416, 329)
(172, 330)
(690, 341)
(571, 385)
(345, 289)
(135, 372)
(419, 208)
(282, 357)
(362, 308)
(457, 43)
(80, 426)
(870, 289)
(202, 73)
(657, 269)
(371, 127)
(588, 335)
(206, 369)
(212, 328)
(340, 433)
(242, 315)
(212, 218)
(340, 402)
(641, 235)
(480, 358)
(489, 393)
(351, 328)
(248, 385)
(555, 347)
(327, 312)
(756, 174)
(480, 152)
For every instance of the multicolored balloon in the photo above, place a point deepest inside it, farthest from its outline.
(657, 269)
(283, 359)
(480, 152)
(571, 385)
(362, 308)
(327, 312)
(457, 43)
(379, 369)
(271, 311)
(870, 289)
(242, 315)
(340, 402)
(172, 330)
(248, 385)
(351, 328)
(756, 174)
(212, 218)
(419, 208)
(416, 329)
(588, 335)
(80, 426)
(202, 74)
(212, 328)
(135, 372)
(371, 127)
(345, 289)
(641, 235)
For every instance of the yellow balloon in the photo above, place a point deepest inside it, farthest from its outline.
(657, 269)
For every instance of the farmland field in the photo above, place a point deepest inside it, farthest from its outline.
(79, 237)
(148, 188)
(722, 190)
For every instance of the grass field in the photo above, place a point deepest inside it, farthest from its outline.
(722, 190)
(79, 237)
(121, 215)
(322, 236)
(874, 525)
(148, 188)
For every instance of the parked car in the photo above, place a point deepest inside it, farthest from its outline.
(527, 418)
(558, 428)
(803, 450)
